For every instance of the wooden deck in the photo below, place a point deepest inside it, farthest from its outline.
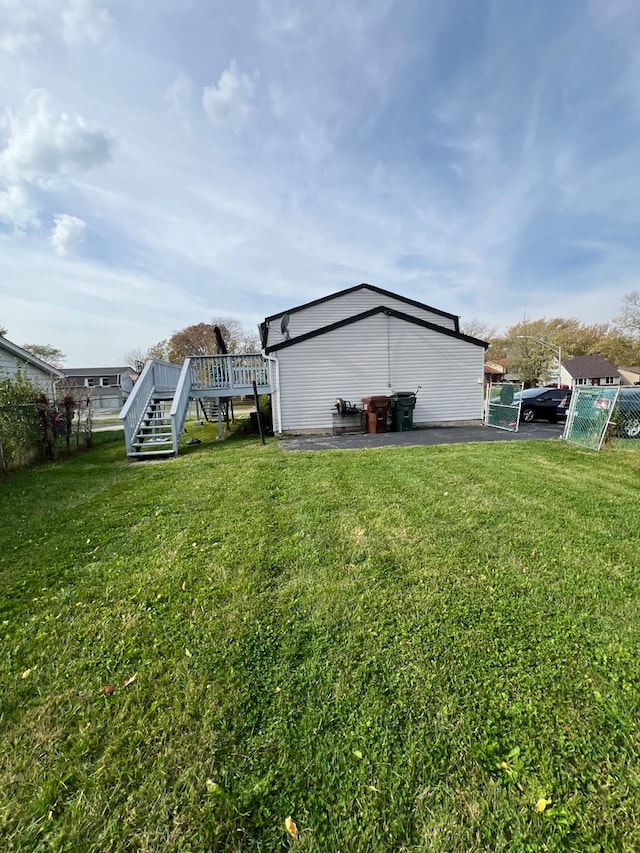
(210, 376)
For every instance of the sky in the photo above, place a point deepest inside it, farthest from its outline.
(166, 163)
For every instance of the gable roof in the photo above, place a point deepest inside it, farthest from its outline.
(97, 371)
(589, 367)
(379, 290)
(23, 355)
(381, 309)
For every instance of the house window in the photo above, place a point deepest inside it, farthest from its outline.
(609, 380)
(104, 381)
(88, 382)
(581, 381)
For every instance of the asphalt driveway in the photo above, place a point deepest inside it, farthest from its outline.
(426, 436)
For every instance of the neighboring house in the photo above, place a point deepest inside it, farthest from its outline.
(14, 360)
(110, 386)
(494, 371)
(365, 341)
(588, 370)
(629, 375)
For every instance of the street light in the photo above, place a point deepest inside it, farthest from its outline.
(556, 349)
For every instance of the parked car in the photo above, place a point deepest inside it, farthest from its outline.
(539, 403)
(626, 414)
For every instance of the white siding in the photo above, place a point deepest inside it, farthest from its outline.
(379, 355)
(10, 365)
(348, 305)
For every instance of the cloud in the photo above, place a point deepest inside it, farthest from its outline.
(83, 21)
(229, 101)
(42, 144)
(18, 27)
(41, 149)
(178, 94)
(16, 210)
(24, 24)
(68, 232)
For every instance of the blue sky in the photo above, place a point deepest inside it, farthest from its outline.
(162, 164)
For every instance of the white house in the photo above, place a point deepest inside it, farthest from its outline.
(14, 360)
(110, 386)
(366, 341)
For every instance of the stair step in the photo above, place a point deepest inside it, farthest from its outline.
(155, 443)
(135, 455)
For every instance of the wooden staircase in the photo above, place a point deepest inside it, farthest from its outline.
(209, 407)
(154, 414)
(154, 436)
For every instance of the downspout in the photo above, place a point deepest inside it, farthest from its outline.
(278, 403)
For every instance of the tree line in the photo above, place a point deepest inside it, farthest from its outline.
(618, 341)
(529, 347)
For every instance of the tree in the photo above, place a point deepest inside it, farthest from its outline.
(45, 352)
(629, 318)
(159, 350)
(479, 329)
(3, 331)
(237, 338)
(136, 358)
(200, 339)
(192, 340)
(532, 347)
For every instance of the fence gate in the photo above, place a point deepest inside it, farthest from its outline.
(502, 406)
(589, 415)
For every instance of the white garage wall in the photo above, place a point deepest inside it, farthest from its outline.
(339, 308)
(379, 355)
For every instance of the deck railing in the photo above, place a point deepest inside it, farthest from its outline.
(180, 404)
(229, 374)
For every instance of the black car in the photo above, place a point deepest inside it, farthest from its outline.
(626, 414)
(539, 403)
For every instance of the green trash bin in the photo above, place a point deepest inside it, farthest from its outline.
(402, 404)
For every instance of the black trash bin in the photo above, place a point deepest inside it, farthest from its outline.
(402, 405)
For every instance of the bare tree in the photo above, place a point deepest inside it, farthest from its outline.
(629, 318)
(237, 337)
(479, 329)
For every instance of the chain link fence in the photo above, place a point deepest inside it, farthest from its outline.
(502, 405)
(590, 413)
(624, 428)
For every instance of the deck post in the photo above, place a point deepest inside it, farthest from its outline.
(220, 436)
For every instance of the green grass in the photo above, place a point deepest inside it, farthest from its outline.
(404, 649)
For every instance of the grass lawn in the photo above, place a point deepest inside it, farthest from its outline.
(403, 649)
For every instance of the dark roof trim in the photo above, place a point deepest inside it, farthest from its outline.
(381, 309)
(373, 287)
(97, 371)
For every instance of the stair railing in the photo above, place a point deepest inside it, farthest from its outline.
(180, 405)
(155, 374)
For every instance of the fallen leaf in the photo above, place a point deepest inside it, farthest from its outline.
(108, 690)
(26, 673)
(358, 754)
(213, 787)
(542, 804)
(184, 585)
(290, 826)
(130, 680)
(188, 653)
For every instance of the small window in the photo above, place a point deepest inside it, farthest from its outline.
(88, 382)
(104, 381)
